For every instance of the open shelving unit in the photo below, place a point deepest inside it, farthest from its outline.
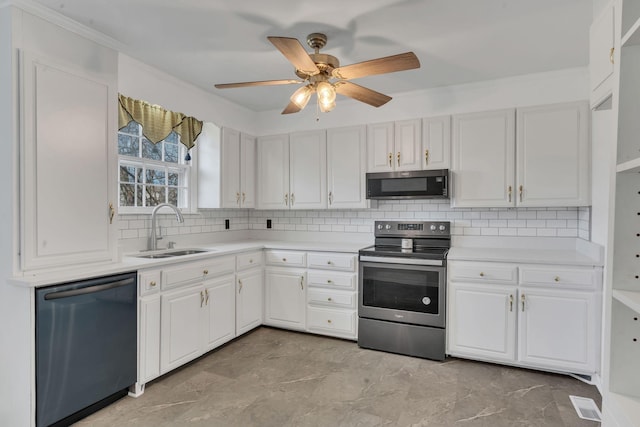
(624, 305)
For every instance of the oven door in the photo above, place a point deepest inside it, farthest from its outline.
(413, 294)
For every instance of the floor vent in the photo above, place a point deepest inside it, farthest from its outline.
(586, 408)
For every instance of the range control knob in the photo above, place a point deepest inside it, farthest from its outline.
(442, 227)
(379, 226)
(433, 227)
(387, 227)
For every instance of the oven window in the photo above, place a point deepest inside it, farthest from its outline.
(399, 289)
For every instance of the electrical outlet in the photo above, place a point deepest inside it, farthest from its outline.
(226, 224)
(268, 223)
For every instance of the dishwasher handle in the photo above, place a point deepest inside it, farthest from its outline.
(88, 289)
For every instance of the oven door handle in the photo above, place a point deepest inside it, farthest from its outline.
(405, 261)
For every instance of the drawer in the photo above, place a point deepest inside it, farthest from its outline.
(330, 279)
(249, 260)
(331, 298)
(148, 281)
(483, 272)
(332, 261)
(197, 271)
(332, 321)
(561, 276)
(288, 258)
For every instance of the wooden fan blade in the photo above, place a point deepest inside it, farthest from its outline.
(291, 108)
(362, 94)
(292, 50)
(388, 64)
(259, 83)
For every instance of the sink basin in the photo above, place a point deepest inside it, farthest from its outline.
(173, 252)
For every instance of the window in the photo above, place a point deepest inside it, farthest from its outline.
(150, 174)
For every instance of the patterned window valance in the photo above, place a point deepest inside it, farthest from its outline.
(157, 123)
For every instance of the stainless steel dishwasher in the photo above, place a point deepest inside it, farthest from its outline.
(85, 346)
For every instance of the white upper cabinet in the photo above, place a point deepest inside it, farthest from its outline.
(346, 163)
(68, 158)
(436, 143)
(308, 170)
(553, 160)
(273, 172)
(483, 155)
(238, 169)
(546, 163)
(394, 146)
(601, 53)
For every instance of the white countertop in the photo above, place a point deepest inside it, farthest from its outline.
(132, 263)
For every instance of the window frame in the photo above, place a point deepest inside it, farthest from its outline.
(190, 175)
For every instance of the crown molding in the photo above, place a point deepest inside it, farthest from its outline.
(50, 15)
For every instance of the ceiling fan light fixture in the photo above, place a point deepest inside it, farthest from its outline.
(326, 107)
(326, 93)
(301, 96)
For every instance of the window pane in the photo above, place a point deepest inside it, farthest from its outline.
(154, 195)
(127, 195)
(174, 178)
(151, 151)
(128, 145)
(172, 138)
(171, 153)
(132, 128)
(173, 196)
(139, 193)
(155, 176)
(128, 174)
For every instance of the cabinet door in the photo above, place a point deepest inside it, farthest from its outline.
(249, 300)
(553, 155)
(149, 339)
(558, 329)
(308, 170)
(408, 145)
(68, 157)
(230, 168)
(181, 322)
(436, 143)
(380, 150)
(247, 171)
(219, 305)
(346, 167)
(482, 321)
(601, 42)
(483, 159)
(273, 172)
(285, 298)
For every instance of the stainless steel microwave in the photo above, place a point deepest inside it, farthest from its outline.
(421, 184)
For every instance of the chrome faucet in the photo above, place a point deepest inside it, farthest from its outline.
(153, 240)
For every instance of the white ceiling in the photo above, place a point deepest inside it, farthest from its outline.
(456, 41)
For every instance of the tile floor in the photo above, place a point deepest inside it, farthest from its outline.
(272, 377)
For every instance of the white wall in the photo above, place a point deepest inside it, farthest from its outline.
(532, 89)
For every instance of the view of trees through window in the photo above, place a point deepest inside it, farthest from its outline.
(150, 174)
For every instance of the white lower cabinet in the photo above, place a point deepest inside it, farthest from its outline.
(249, 300)
(149, 347)
(285, 298)
(220, 312)
(548, 317)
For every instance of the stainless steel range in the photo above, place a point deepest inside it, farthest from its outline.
(402, 288)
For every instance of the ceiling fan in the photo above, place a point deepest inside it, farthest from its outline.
(325, 77)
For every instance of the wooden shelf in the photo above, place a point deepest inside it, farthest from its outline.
(630, 166)
(629, 298)
(632, 37)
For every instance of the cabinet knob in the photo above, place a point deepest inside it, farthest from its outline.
(152, 283)
(329, 281)
(206, 272)
(329, 262)
(329, 299)
(284, 260)
(328, 320)
(251, 261)
(557, 278)
(481, 274)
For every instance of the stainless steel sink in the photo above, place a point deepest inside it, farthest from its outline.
(173, 253)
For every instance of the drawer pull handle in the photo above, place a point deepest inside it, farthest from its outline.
(302, 282)
(481, 274)
(251, 261)
(329, 299)
(329, 262)
(239, 285)
(557, 278)
(329, 281)
(152, 283)
(284, 260)
(328, 320)
(206, 272)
